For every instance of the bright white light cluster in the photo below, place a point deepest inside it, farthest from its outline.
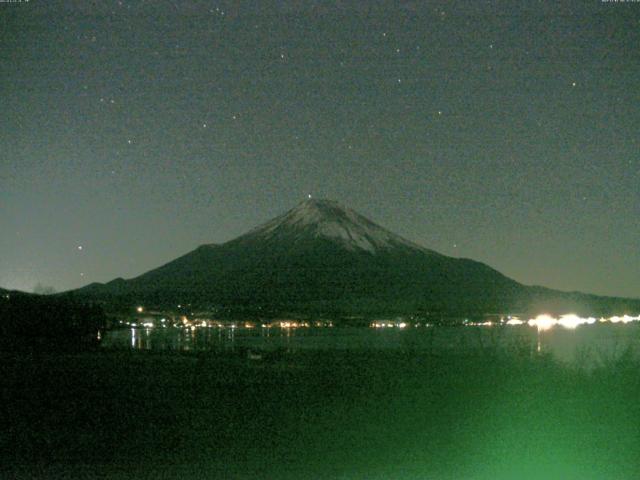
(543, 322)
(570, 321)
(623, 319)
(514, 321)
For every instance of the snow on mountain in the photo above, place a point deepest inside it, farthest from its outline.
(329, 219)
(321, 258)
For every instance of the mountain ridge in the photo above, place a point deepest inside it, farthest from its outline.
(322, 258)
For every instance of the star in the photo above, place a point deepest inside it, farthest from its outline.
(79, 247)
(573, 84)
(204, 125)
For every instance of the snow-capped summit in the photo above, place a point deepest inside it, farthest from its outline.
(328, 219)
(321, 258)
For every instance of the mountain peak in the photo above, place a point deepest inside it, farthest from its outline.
(329, 219)
(318, 210)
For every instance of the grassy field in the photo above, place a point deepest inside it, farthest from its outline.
(317, 415)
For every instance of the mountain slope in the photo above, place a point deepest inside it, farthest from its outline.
(322, 258)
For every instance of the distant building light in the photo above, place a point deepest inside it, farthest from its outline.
(543, 322)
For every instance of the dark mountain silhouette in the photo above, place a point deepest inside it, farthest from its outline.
(50, 322)
(321, 258)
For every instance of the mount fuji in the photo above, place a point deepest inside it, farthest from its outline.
(321, 258)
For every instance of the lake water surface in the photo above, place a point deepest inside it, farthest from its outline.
(587, 343)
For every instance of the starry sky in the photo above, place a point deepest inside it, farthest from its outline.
(504, 131)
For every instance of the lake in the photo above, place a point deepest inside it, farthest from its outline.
(334, 404)
(584, 344)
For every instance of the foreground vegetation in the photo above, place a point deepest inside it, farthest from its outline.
(319, 415)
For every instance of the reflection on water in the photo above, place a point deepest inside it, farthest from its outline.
(568, 344)
(228, 338)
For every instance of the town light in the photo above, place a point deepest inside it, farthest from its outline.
(543, 322)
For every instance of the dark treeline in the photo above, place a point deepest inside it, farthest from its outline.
(48, 322)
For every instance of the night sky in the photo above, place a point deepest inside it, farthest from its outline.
(133, 131)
